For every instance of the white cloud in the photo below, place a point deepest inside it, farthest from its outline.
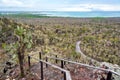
(91, 7)
(106, 7)
(14, 3)
(75, 9)
(64, 6)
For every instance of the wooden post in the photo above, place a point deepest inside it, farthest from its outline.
(56, 59)
(109, 76)
(64, 76)
(41, 64)
(62, 64)
(46, 61)
(40, 55)
(68, 62)
(29, 64)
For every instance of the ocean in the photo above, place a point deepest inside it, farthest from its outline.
(67, 13)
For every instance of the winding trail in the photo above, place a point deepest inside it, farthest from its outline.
(78, 50)
(113, 67)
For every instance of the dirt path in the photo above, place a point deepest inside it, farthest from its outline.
(113, 67)
(78, 50)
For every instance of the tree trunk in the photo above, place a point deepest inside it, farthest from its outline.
(21, 51)
(21, 59)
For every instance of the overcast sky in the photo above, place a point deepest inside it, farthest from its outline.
(59, 5)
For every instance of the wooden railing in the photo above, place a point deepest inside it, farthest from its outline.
(86, 65)
(66, 73)
(64, 61)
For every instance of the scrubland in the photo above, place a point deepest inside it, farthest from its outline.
(100, 37)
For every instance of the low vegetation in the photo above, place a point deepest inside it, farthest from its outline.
(100, 38)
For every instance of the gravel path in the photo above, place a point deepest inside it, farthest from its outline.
(78, 50)
(113, 67)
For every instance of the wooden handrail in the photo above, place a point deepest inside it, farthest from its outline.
(86, 65)
(68, 76)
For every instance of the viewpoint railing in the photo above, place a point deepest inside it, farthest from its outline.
(107, 70)
(63, 62)
(66, 73)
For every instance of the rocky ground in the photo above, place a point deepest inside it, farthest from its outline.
(77, 72)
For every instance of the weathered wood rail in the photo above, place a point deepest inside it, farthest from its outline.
(86, 65)
(66, 73)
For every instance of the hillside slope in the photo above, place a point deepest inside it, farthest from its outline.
(100, 37)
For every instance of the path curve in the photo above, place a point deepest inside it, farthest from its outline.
(78, 50)
(111, 66)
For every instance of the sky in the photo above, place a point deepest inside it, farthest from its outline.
(59, 5)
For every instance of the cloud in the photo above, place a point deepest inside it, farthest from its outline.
(62, 5)
(14, 3)
(75, 9)
(91, 7)
(106, 7)
(11, 2)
